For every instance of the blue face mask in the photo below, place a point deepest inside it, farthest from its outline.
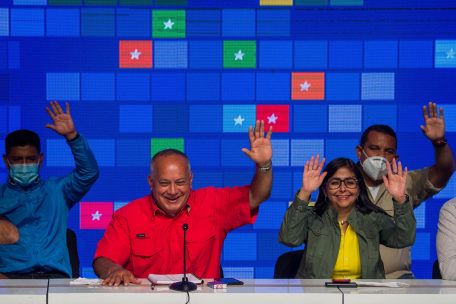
(24, 174)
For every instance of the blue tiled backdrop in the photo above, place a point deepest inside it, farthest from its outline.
(382, 72)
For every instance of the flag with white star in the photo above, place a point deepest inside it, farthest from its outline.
(239, 54)
(95, 215)
(445, 53)
(168, 23)
(135, 54)
(308, 86)
(277, 116)
(238, 118)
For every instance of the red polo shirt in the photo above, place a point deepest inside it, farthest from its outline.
(145, 240)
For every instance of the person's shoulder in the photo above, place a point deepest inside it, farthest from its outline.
(134, 207)
(205, 189)
(419, 171)
(198, 195)
(52, 183)
(211, 190)
(3, 189)
(450, 205)
(418, 179)
(51, 179)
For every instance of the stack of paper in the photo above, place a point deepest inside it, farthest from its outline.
(84, 281)
(383, 284)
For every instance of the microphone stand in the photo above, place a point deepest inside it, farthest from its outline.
(185, 285)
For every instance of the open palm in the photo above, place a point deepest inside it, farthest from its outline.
(63, 122)
(434, 124)
(395, 180)
(260, 146)
(312, 176)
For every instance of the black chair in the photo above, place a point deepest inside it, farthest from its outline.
(72, 246)
(221, 271)
(286, 266)
(436, 271)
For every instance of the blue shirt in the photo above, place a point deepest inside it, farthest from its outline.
(40, 212)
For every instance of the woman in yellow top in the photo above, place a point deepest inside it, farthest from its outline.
(344, 228)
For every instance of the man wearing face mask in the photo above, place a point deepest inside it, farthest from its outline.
(39, 208)
(377, 146)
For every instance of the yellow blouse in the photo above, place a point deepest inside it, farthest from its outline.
(348, 265)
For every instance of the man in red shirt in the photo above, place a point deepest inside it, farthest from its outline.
(146, 235)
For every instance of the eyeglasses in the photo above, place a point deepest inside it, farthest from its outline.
(350, 183)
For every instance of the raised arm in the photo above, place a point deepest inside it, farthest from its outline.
(261, 154)
(293, 231)
(434, 130)
(86, 172)
(9, 234)
(401, 231)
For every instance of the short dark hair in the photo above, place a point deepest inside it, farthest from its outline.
(363, 202)
(378, 128)
(22, 138)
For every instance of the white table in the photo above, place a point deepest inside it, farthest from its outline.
(23, 291)
(419, 292)
(254, 291)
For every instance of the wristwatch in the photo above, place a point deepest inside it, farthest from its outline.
(440, 142)
(407, 198)
(265, 168)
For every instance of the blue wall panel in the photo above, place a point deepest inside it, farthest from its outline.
(376, 68)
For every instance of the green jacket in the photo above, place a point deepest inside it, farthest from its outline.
(322, 237)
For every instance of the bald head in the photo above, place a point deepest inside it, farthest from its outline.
(166, 153)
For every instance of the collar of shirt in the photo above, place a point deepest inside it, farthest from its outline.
(13, 185)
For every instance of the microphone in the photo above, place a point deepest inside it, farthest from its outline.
(184, 285)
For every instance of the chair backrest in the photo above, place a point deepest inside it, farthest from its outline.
(73, 252)
(436, 270)
(287, 264)
(221, 271)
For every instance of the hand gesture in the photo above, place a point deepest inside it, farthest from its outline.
(395, 181)
(63, 122)
(312, 177)
(260, 146)
(118, 276)
(434, 127)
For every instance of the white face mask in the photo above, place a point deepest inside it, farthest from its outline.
(374, 166)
